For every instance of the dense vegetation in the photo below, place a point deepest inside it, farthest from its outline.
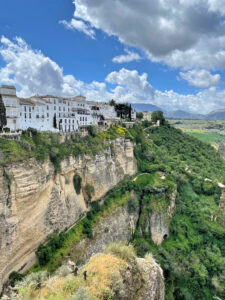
(47, 145)
(193, 258)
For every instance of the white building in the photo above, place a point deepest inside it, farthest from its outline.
(12, 106)
(50, 113)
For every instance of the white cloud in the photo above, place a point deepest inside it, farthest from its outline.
(80, 26)
(134, 86)
(201, 78)
(125, 58)
(180, 33)
(33, 72)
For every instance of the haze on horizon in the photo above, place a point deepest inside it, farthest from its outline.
(169, 53)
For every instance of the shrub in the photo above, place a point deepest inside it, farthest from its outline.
(6, 129)
(14, 277)
(96, 207)
(208, 188)
(197, 186)
(63, 271)
(121, 250)
(37, 278)
(132, 205)
(93, 131)
(83, 294)
(77, 183)
(89, 190)
(87, 229)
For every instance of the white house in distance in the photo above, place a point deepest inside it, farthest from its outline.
(51, 113)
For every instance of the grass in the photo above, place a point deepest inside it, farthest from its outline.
(210, 138)
(211, 132)
(155, 180)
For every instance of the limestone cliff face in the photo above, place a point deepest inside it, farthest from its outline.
(158, 221)
(117, 227)
(34, 201)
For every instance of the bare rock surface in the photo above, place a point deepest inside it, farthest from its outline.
(35, 202)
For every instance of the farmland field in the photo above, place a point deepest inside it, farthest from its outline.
(212, 132)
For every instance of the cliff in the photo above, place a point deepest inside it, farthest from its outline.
(34, 201)
(114, 274)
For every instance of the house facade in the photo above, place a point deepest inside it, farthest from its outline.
(51, 113)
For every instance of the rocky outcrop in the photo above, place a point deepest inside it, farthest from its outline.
(117, 227)
(153, 287)
(159, 222)
(34, 201)
(157, 217)
(115, 274)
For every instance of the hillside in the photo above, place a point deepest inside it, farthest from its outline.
(181, 114)
(216, 115)
(172, 208)
(140, 107)
(184, 115)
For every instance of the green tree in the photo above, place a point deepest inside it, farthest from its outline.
(112, 103)
(158, 115)
(3, 120)
(140, 115)
(54, 122)
(123, 110)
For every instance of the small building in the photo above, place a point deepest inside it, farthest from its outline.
(147, 116)
(12, 107)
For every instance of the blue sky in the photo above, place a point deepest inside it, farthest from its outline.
(68, 48)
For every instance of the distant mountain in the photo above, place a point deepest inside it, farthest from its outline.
(216, 115)
(181, 114)
(140, 107)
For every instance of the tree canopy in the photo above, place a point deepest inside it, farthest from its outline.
(158, 115)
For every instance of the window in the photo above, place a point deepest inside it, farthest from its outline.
(54, 101)
(80, 119)
(29, 109)
(64, 109)
(30, 115)
(47, 107)
(59, 108)
(25, 109)
(25, 115)
(65, 120)
(47, 115)
(54, 107)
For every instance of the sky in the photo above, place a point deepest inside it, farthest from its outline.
(170, 53)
